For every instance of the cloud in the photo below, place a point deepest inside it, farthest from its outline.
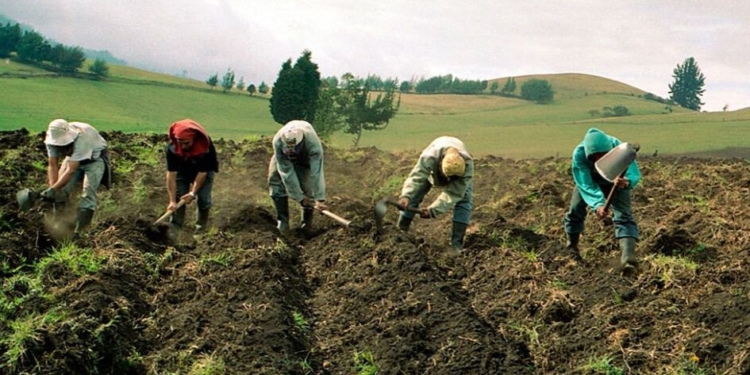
(637, 42)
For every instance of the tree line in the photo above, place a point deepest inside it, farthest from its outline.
(32, 48)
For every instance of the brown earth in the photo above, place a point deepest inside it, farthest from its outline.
(240, 300)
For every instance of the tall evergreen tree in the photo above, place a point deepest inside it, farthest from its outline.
(9, 38)
(687, 87)
(295, 92)
(33, 47)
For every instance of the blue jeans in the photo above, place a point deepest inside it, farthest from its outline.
(625, 225)
(461, 212)
(91, 174)
(203, 197)
(276, 186)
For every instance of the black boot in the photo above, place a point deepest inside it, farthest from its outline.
(627, 247)
(573, 239)
(457, 235)
(83, 219)
(200, 224)
(282, 213)
(404, 222)
(307, 217)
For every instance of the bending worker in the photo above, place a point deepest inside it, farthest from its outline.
(444, 163)
(85, 158)
(296, 171)
(591, 190)
(191, 167)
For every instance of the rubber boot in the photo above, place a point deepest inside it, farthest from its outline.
(282, 213)
(573, 239)
(307, 217)
(200, 224)
(404, 222)
(457, 235)
(83, 219)
(627, 247)
(572, 246)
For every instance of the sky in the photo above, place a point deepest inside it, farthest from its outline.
(637, 42)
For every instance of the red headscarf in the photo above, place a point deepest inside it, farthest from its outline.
(185, 129)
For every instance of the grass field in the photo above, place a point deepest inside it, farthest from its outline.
(133, 100)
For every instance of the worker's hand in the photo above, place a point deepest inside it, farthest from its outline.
(602, 213)
(424, 213)
(622, 182)
(320, 205)
(172, 206)
(48, 195)
(403, 202)
(189, 197)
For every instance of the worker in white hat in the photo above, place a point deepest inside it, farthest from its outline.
(76, 152)
(445, 163)
(296, 171)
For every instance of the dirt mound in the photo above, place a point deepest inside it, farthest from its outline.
(128, 298)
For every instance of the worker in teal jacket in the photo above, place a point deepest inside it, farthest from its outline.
(591, 190)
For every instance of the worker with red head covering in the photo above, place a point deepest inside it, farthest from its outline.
(191, 166)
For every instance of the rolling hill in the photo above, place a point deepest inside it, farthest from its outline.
(135, 100)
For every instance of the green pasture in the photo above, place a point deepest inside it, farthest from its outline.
(133, 100)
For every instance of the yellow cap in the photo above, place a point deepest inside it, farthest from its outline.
(453, 164)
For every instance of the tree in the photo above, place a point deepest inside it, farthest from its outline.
(329, 114)
(32, 47)
(352, 108)
(361, 112)
(213, 80)
(509, 87)
(241, 84)
(405, 86)
(494, 87)
(687, 87)
(10, 36)
(263, 88)
(227, 82)
(296, 90)
(99, 69)
(251, 89)
(67, 59)
(537, 90)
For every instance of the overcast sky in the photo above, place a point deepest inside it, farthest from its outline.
(637, 42)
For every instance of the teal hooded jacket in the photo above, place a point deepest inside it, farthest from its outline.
(596, 141)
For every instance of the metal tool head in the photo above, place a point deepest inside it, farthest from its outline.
(380, 209)
(26, 199)
(616, 161)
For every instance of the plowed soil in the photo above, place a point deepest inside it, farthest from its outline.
(347, 300)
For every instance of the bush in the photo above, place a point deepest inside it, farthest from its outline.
(538, 90)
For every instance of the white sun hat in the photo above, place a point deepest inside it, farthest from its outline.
(294, 133)
(60, 133)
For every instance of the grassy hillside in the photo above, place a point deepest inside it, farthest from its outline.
(133, 100)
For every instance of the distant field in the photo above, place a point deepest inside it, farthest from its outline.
(134, 100)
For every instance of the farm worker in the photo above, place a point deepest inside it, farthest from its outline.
(76, 152)
(591, 189)
(296, 171)
(444, 163)
(191, 166)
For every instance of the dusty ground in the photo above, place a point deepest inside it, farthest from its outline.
(239, 300)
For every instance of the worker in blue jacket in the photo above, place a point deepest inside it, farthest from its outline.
(591, 190)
